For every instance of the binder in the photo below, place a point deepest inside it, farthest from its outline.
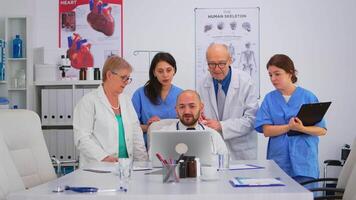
(52, 102)
(68, 107)
(69, 145)
(61, 104)
(44, 107)
(61, 146)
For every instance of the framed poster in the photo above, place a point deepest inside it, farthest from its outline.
(239, 29)
(90, 30)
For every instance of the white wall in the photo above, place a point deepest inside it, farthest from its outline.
(318, 35)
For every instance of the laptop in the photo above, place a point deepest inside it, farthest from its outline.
(171, 144)
(311, 114)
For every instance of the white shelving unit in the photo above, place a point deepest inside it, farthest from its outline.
(56, 101)
(18, 90)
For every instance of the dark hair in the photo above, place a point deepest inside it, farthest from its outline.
(283, 62)
(153, 87)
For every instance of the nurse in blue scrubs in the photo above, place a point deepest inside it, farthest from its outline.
(157, 98)
(296, 155)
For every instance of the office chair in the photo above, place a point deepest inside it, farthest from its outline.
(22, 134)
(10, 180)
(342, 181)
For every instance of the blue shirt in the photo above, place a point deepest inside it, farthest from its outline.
(296, 155)
(225, 83)
(164, 110)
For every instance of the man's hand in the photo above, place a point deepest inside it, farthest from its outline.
(214, 124)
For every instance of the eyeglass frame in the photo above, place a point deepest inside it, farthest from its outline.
(125, 79)
(214, 65)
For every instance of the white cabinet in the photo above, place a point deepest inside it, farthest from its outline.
(18, 71)
(56, 101)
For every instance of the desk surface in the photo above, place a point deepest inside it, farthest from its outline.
(151, 187)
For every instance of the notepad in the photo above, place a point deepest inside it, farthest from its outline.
(255, 182)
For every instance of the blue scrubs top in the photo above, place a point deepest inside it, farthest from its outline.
(145, 109)
(296, 155)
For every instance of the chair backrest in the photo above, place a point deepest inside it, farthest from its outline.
(155, 126)
(10, 180)
(348, 167)
(158, 125)
(350, 192)
(22, 133)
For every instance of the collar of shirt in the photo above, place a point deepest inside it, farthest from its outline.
(181, 126)
(225, 83)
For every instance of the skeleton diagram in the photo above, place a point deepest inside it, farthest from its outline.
(247, 60)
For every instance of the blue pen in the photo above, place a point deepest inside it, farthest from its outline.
(82, 189)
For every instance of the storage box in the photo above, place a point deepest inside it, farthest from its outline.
(46, 72)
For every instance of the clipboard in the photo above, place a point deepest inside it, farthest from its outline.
(310, 114)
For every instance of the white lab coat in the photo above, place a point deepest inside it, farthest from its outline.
(96, 128)
(239, 113)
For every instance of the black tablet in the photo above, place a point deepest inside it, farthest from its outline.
(311, 114)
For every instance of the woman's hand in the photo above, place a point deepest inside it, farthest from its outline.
(110, 159)
(296, 124)
(152, 119)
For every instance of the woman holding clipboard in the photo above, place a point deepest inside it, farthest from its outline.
(297, 155)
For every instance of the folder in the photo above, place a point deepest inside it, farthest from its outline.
(69, 145)
(310, 114)
(68, 107)
(255, 182)
(52, 102)
(44, 107)
(61, 146)
(61, 103)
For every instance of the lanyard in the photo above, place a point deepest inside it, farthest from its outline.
(177, 127)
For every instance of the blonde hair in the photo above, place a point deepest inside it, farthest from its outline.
(115, 63)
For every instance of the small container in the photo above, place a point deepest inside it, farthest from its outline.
(197, 161)
(17, 47)
(96, 74)
(90, 73)
(169, 173)
(192, 168)
(83, 74)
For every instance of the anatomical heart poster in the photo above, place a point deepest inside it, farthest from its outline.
(90, 31)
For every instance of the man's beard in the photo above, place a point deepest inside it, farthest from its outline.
(191, 121)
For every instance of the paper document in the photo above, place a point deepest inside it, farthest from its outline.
(244, 166)
(255, 182)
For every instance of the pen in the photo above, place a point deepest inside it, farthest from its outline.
(180, 157)
(160, 157)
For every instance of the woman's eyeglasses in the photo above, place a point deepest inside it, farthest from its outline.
(125, 79)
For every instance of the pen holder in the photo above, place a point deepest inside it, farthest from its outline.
(169, 173)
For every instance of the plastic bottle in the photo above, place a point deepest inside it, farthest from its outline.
(197, 161)
(17, 47)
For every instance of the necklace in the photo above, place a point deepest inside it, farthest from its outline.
(115, 108)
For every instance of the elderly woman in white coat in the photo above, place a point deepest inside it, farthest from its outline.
(105, 123)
